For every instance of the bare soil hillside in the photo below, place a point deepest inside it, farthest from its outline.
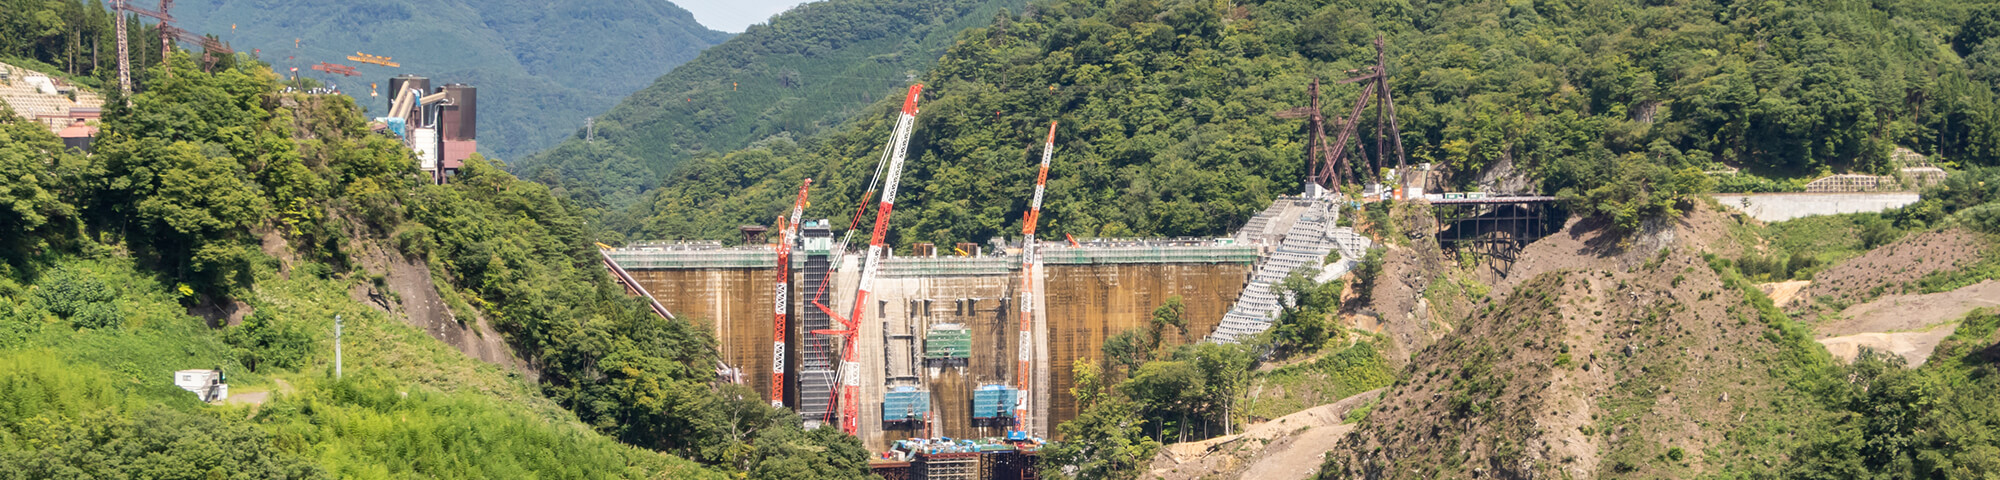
(1599, 355)
(1286, 448)
(1892, 268)
(1397, 306)
(406, 288)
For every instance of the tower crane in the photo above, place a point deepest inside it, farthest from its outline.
(168, 32)
(850, 365)
(787, 233)
(1022, 373)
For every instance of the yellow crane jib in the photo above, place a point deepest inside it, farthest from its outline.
(375, 59)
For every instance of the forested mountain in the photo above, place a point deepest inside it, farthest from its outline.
(1167, 126)
(211, 193)
(809, 69)
(541, 66)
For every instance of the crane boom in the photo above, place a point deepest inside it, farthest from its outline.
(850, 366)
(787, 233)
(1023, 373)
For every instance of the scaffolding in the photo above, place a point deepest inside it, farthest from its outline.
(993, 405)
(816, 354)
(948, 466)
(1494, 227)
(693, 256)
(1210, 252)
(947, 344)
(905, 407)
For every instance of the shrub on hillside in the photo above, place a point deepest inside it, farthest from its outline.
(76, 296)
(266, 341)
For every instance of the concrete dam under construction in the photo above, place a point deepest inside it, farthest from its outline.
(938, 343)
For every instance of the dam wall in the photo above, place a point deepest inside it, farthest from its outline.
(1088, 303)
(732, 292)
(922, 309)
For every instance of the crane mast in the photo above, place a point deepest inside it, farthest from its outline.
(1023, 373)
(787, 233)
(850, 366)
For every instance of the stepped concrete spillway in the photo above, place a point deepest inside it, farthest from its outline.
(1299, 234)
(922, 308)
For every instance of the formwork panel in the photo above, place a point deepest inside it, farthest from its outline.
(980, 304)
(1088, 303)
(736, 304)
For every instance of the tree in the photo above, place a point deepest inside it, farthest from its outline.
(1105, 441)
(36, 180)
(1302, 325)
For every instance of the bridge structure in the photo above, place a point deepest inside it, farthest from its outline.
(1495, 226)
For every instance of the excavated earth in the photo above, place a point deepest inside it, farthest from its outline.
(1910, 326)
(407, 291)
(1286, 448)
(1892, 268)
(1596, 355)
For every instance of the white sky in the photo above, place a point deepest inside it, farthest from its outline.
(734, 15)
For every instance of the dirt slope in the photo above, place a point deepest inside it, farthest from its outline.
(1910, 326)
(1397, 307)
(1891, 268)
(1599, 356)
(1286, 448)
(406, 290)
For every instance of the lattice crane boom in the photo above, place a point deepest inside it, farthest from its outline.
(787, 234)
(850, 365)
(1023, 372)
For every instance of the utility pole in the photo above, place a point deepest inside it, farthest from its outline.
(336, 347)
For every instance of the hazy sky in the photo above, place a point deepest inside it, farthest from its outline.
(734, 15)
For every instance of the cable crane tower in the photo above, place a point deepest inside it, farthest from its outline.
(1329, 161)
(168, 32)
(1023, 373)
(787, 234)
(850, 365)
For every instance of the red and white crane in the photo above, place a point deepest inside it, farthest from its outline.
(850, 366)
(787, 234)
(1022, 373)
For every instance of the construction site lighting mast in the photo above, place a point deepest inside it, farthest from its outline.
(787, 233)
(850, 366)
(1023, 373)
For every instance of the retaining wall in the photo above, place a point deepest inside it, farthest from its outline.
(1778, 207)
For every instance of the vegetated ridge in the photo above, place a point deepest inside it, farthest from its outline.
(541, 67)
(221, 223)
(809, 69)
(1167, 124)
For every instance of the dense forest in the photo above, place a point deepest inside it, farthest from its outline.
(1167, 125)
(810, 69)
(211, 188)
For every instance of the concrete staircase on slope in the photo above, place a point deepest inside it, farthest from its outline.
(1306, 242)
(32, 103)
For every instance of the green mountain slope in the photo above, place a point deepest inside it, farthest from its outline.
(808, 69)
(1167, 106)
(220, 192)
(541, 66)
